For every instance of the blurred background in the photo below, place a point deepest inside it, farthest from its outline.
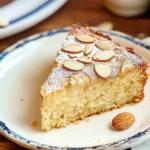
(22, 18)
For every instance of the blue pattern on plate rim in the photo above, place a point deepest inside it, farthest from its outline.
(15, 137)
(32, 12)
(48, 2)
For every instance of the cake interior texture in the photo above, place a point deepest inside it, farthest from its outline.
(90, 97)
(65, 102)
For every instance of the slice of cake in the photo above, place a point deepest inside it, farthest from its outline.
(91, 75)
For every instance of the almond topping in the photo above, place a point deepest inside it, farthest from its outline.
(88, 49)
(104, 45)
(102, 70)
(123, 121)
(85, 38)
(72, 48)
(103, 56)
(72, 65)
(85, 59)
(72, 55)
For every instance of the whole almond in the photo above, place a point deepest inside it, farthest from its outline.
(123, 121)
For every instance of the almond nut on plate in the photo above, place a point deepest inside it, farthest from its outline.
(104, 45)
(88, 49)
(85, 38)
(85, 59)
(123, 121)
(72, 48)
(72, 65)
(102, 70)
(103, 56)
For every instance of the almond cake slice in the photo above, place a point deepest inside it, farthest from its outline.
(91, 75)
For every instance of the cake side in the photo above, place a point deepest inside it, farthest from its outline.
(90, 97)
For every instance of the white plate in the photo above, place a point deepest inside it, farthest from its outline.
(23, 69)
(23, 14)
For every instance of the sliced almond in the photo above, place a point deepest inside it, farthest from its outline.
(72, 55)
(102, 70)
(85, 59)
(103, 56)
(73, 48)
(104, 45)
(72, 65)
(85, 38)
(88, 49)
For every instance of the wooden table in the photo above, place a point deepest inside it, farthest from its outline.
(89, 12)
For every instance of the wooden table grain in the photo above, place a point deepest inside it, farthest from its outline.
(89, 12)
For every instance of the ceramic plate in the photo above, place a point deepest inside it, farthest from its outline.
(23, 69)
(21, 19)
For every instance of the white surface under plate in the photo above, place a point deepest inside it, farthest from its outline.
(23, 14)
(23, 69)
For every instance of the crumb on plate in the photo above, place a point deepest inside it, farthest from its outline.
(99, 140)
(21, 99)
(34, 123)
(89, 120)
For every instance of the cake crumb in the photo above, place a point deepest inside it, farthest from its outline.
(34, 123)
(88, 120)
(21, 99)
(76, 122)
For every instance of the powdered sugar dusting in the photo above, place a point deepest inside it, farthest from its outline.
(60, 76)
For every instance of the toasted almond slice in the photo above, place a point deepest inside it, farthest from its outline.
(103, 56)
(88, 49)
(104, 45)
(102, 70)
(85, 59)
(72, 55)
(72, 48)
(85, 38)
(72, 65)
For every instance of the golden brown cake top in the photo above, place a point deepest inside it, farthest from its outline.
(91, 53)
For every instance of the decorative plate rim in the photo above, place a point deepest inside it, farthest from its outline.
(23, 22)
(8, 133)
(31, 12)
